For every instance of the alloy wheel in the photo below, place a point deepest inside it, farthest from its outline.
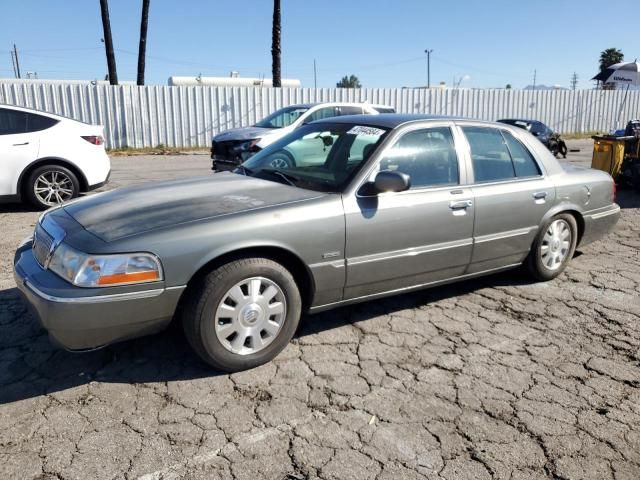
(53, 188)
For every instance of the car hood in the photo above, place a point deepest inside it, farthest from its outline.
(246, 133)
(134, 210)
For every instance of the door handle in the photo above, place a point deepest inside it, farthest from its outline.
(20, 144)
(461, 204)
(539, 195)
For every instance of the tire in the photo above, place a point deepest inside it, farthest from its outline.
(219, 340)
(545, 266)
(51, 185)
(281, 159)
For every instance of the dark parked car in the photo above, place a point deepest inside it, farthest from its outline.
(374, 205)
(548, 137)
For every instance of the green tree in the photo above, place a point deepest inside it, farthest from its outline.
(350, 81)
(508, 87)
(609, 57)
(276, 31)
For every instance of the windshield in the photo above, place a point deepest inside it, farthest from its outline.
(319, 156)
(282, 118)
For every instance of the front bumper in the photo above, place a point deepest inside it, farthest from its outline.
(81, 319)
(599, 223)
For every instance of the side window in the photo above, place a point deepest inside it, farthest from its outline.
(12, 122)
(489, 154)
(326, 112)
(523, 161)
(36, 123)
(350, 110)
(428, 156)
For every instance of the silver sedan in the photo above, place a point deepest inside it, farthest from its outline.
(364, 207)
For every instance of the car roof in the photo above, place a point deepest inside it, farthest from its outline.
(328, 104)
(390, 120)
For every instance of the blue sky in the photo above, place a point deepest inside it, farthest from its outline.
(488, 43)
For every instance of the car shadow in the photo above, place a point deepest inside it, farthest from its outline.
(17, 208)
(31, 366)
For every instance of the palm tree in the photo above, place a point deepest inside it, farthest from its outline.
(609, 57)
(349, 82)
(275, 45)
(142, 47)
(108, 42)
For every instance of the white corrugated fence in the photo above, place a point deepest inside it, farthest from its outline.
(188, 116)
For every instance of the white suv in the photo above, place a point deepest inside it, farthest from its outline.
(47, 159)
(232, 147)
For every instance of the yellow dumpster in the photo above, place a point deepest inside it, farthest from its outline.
(608, 154)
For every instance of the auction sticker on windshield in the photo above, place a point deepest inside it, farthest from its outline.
(362, 130)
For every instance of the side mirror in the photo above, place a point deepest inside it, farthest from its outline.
(387, 181)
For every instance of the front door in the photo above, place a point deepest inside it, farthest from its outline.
(511, 197)
(423, 235)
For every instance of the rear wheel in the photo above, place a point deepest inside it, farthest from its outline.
(51, 185)
(242, 314)
(553, 247)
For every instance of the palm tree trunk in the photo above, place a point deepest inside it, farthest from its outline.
(142, 48)
(275, 45)
(108, 42)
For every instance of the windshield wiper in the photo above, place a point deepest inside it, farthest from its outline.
(290, 179)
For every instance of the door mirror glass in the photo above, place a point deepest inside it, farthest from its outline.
(390, 181)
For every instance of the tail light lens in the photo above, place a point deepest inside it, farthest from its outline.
(94, 139)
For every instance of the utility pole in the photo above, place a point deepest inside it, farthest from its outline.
(574, 81)
(535, 72)
(108, 42)
(315, 74)
(15, 56)
(13, 64)
(428, 52)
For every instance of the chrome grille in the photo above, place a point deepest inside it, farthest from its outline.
(42, 242)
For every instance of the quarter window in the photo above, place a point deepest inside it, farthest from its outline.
(428, 156)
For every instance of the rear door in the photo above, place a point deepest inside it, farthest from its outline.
(423, 235)
(18, 146)
(511, 195)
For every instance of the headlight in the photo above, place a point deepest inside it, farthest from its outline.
(86, 270)
(249, 146)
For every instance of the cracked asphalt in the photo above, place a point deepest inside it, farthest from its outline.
(492, 378)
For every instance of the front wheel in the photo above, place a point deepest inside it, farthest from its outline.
(242, 314)
(553, 247)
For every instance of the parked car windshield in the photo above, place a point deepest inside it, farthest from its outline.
(282, 118)
(318, 156)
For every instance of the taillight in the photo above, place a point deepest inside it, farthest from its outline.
(94, 139)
